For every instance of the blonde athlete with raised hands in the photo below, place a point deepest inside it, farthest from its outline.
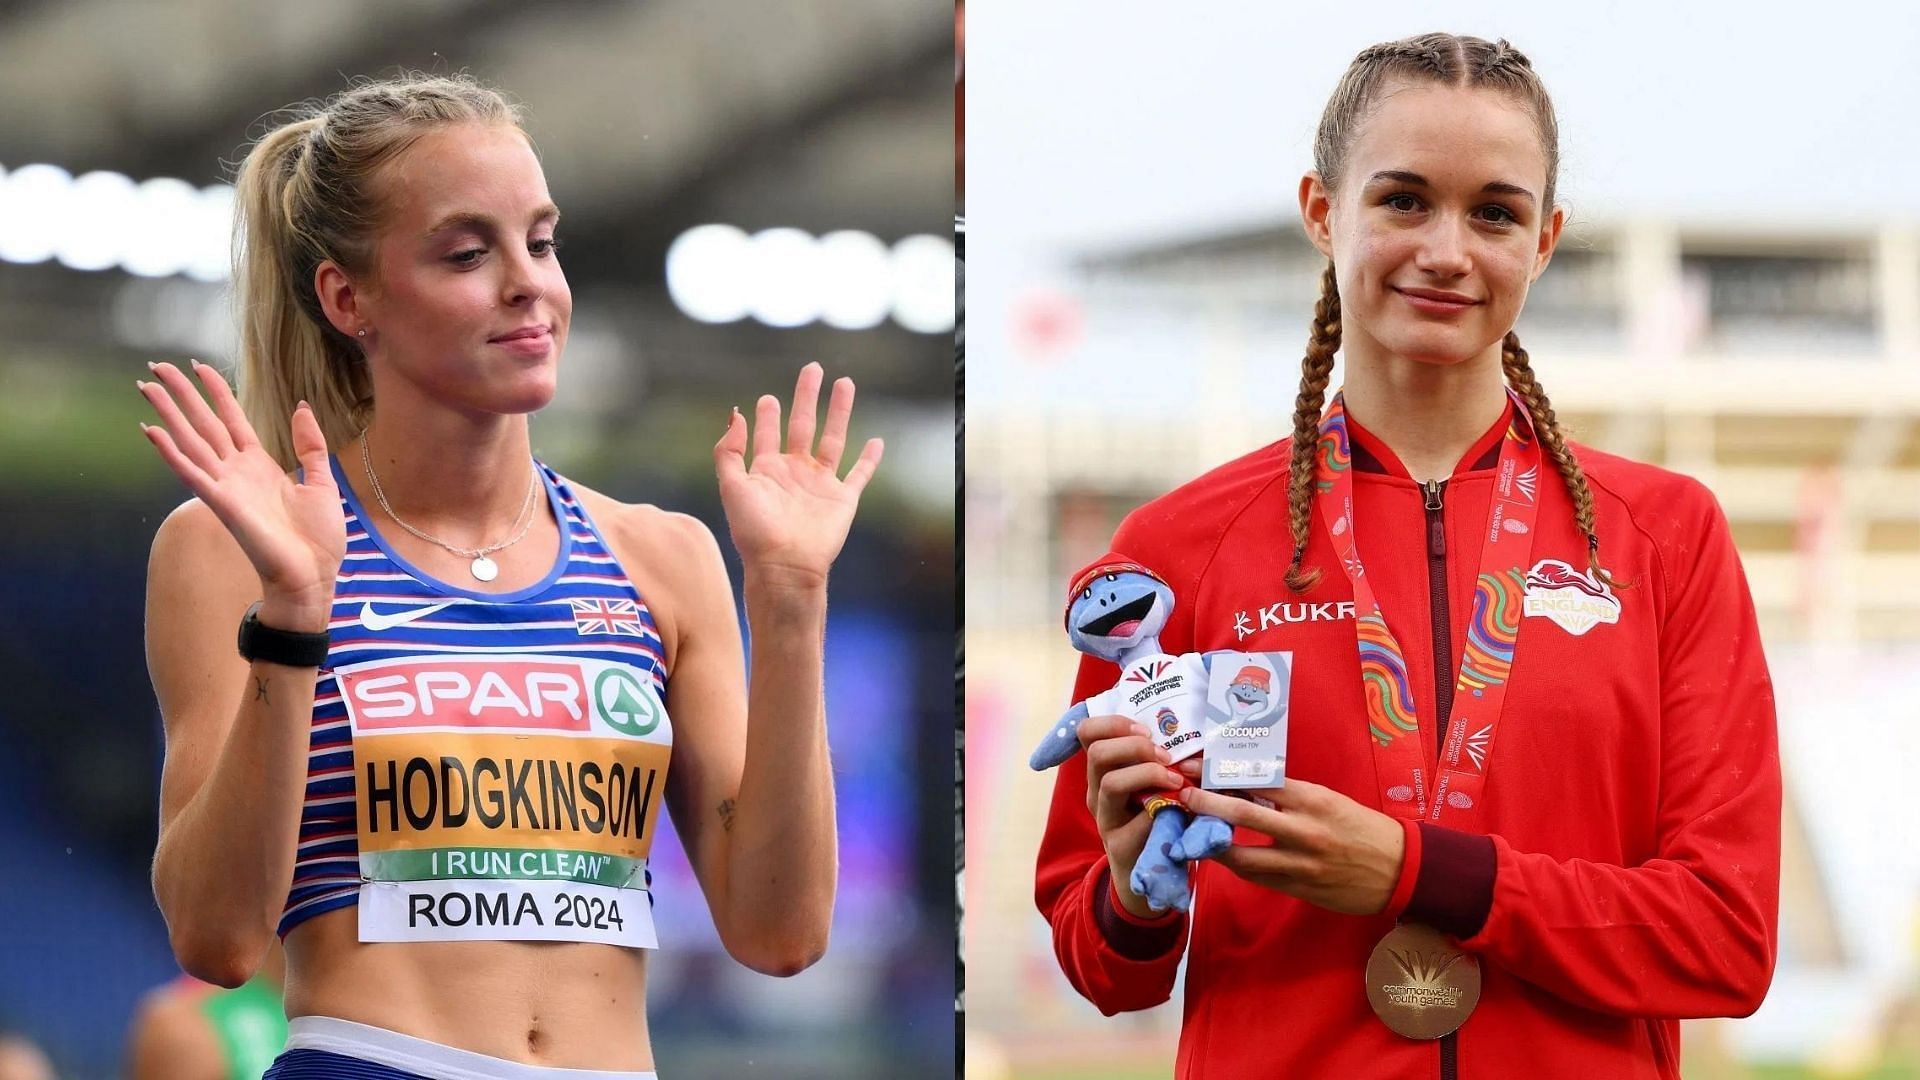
(435, 762)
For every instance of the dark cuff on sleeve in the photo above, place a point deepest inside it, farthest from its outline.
(1454, 891)
(1130, 936)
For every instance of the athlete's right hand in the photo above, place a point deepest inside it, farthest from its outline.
(295, 534)
(1123, 761)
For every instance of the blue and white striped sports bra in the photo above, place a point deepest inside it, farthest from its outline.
(585, 608)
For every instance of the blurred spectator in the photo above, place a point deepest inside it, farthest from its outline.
(191, 1030)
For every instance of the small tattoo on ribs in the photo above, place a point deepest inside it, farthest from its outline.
(260, 690)
(726, 814)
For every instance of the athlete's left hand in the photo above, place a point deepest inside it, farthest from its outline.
(789, 511)
(1326, 848)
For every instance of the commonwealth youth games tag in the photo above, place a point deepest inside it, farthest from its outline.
(506, 797)
(1166, 693)
(1246, 723)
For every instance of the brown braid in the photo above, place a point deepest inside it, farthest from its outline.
(1519, 371)
(1322, 342)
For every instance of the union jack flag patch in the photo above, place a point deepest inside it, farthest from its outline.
(601, 616)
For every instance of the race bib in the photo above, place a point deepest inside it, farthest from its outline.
(506, 797)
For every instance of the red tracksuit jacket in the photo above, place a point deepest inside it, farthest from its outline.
(1629, 872)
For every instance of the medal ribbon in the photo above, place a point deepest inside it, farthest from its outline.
(1480, 689)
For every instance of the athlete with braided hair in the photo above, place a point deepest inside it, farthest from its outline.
(1533, 816)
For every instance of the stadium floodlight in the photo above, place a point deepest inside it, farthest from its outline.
(923, 284)
(706, 268)
(784, 277)
(34, 209)
(209, 252)
(856, 278)
(102, 222)
(170, 218)
(782, 283)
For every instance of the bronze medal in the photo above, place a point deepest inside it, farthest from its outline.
(1420, 984)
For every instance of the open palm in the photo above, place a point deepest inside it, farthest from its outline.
(790, 510)
(294, 533)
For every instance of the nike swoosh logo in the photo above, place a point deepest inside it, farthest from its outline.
(377, 622)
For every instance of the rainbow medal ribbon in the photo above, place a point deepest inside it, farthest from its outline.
(1411, 958)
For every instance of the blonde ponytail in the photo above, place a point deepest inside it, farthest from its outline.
(285, 354)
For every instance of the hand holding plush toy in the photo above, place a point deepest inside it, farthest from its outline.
(1115, 611)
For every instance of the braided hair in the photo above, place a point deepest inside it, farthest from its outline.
(1322, 342)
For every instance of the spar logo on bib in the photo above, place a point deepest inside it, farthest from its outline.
(1571, 598)
(460, 692)
(503, 693)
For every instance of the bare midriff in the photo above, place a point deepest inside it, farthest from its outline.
(567, 1005)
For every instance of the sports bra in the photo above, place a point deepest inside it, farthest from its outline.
(503, 737)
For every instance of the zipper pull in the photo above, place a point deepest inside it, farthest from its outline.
(1436, 523)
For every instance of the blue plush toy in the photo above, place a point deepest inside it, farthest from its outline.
(1115, 611)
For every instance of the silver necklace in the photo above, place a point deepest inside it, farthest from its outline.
(484, 569)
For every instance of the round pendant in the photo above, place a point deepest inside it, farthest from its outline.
(1420, 984)
(485, 569)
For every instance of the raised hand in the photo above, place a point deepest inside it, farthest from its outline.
(294, 533)
(789, 511)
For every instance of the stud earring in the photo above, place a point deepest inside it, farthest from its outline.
(362, 332)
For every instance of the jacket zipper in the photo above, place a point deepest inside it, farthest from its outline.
(1442, 617)
(1442, 677)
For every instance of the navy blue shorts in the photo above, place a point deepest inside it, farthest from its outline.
(321, 1065)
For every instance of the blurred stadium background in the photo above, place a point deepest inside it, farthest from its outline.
(747, 187)
(1738, 298)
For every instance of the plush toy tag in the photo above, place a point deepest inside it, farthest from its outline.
(1246, 720)
(1166, 693)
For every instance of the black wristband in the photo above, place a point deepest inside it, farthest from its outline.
(289, 647)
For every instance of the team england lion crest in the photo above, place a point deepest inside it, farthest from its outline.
(1571, 598)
